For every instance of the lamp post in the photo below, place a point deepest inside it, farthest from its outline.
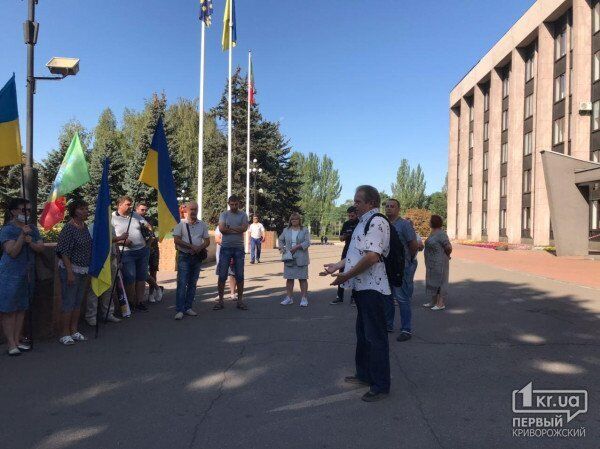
(62, 67)
(255, 171)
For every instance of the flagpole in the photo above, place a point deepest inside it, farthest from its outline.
(229, 124)
(248, 145)
(201, 127)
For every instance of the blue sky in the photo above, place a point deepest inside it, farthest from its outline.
(366, 83)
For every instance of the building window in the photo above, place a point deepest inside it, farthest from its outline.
(526, 223)
(470, 194)
(558, 131)
(484, 221)
(560, 44)
(470, 167)
(504, 153)
(471, 113)
(486, 101)
(527, 144)
(596, 75)
(528, 106)
(571, 80)
(471, 139)
(503, 186)
(596, 116)
(486, 131)
(559, 87)
(595, 156)
(595, 215)
(485, 190)
(503, 219)
(469, 221)
(505, 85)
(504, 120)
(527, 181)
(485, 160)
(529, 68)
(596, 24)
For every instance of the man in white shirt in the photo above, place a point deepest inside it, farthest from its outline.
(191, 239)
(257, 237)
(364, 272)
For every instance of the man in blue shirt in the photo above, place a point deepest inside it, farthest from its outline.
(402, 294)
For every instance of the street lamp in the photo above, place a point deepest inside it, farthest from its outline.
(255, 171)
(62, 67)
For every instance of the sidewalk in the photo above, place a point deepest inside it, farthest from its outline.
(578, 271)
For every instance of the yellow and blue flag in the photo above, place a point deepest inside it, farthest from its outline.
(157, 173)
(102, 237)
(229, 25)
(10, 136)
(206, 10)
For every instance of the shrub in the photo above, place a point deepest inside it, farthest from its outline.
(420, 219)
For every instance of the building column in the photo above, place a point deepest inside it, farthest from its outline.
(516, 115)
(476, 205)
(452, 166)
(463, 169)
(493, 203)
(582, 78)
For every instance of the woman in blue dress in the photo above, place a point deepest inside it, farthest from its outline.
(20, 242)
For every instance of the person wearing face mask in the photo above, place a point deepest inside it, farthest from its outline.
(74, 250)
(20, 242)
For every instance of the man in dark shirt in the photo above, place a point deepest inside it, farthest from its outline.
(346, 236)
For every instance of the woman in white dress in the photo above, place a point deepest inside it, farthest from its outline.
(293, 245)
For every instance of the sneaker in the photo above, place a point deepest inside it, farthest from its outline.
(190, 312)
(304, 302)
(428, 304)
(336, 301)
(287, 301)
(141, 307)
(151, 298)
(369, 396)
(14, 352)
(24, 347)
(258, 261)
(179, 316)
(404, 336)
(252, 262)
(78, 336)
(66, 340)
(158, 294)
(438, 308)
(113, 319)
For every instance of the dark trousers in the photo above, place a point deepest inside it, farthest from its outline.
(372, 347)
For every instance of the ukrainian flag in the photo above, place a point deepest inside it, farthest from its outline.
(229, 25)
(157, 173)
(102, 238)
(10, 137)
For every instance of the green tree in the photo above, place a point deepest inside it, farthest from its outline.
(409, 188)
(438, 204)
(108, 142)
(11, 184)
(49, 166)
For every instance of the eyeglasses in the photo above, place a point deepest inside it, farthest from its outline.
(25, 209)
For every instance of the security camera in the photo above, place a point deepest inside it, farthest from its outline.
(63, 66)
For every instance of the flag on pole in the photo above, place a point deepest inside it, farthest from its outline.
(72, 173)
(10, 137)
(157, 173)
(206, 10)
(251, 88)
(102, 238)
(229, 26)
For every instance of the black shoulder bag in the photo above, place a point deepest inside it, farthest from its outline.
(202, 255)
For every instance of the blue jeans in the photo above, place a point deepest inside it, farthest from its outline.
(135, 265)
(255, 245)
(188, 271)
(403, 295)
(372, 347)
(225, 257)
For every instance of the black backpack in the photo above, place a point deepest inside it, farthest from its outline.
(394, 262)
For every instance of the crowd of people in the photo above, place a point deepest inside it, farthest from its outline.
(369, 268)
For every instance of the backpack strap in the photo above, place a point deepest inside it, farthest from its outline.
(368, 223)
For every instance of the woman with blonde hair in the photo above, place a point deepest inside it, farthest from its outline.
(293, 246)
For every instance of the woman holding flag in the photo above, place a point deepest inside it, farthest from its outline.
(20, 242)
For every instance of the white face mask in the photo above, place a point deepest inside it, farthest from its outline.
(22, 218)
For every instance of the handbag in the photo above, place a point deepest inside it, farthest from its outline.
(202, 255)
(287, 256)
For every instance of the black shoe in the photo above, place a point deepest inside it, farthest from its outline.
(356, 381)
(258, 261)
(141, 307)
(252, 262)
(404, 336)
(337, 301)
(369, 396)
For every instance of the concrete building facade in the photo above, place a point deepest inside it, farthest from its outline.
(536, 91)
